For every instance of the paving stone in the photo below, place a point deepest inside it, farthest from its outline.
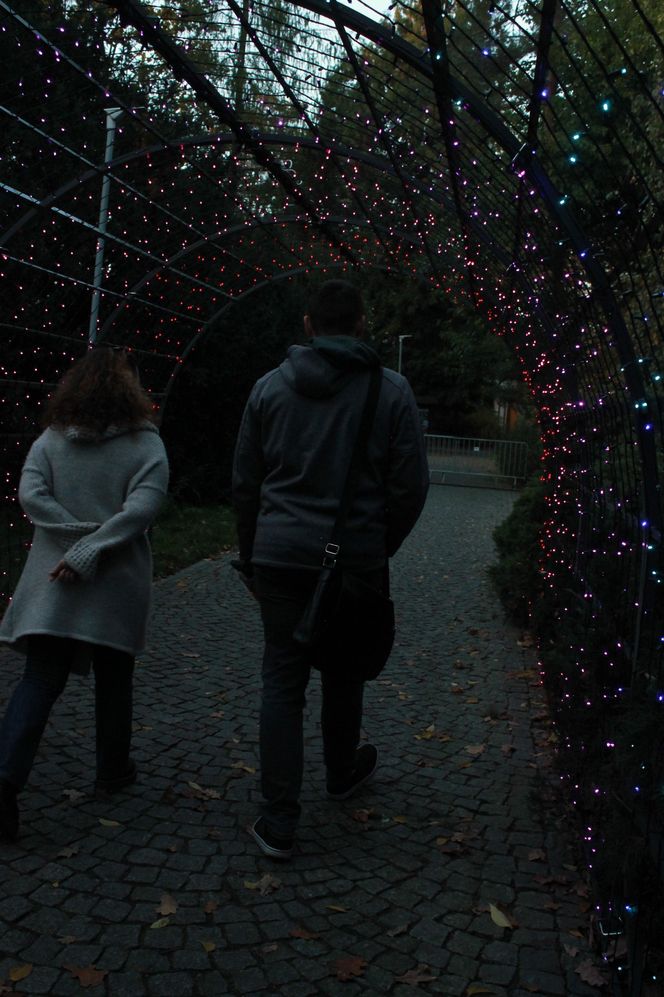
(407, 902)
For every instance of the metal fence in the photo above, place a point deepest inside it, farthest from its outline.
(459, 460)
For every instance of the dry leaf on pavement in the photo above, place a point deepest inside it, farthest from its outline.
(161, 923)
(303, 933)
(17, 973)
(421, 974)
(499, 918)
(589, 973)
(167, 905)
(88, 976)
(266, 884)
(349, 966)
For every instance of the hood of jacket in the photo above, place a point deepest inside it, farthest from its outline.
(326, 364)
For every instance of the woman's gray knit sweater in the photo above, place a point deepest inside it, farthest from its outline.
(91, 500)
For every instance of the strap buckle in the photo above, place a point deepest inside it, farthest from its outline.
(330, 555)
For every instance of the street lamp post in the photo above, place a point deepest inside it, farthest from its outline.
(401, 339)
(112, 115)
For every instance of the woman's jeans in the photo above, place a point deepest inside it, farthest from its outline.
(47, 668)
(283, 595)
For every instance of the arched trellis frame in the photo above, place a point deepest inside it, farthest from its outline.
(504, 152)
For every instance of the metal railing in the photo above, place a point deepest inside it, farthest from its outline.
(459, 460)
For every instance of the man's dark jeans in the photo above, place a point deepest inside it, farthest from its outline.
(47, 668)
(283, 595)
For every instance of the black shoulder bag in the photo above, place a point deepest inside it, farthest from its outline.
(348, 624)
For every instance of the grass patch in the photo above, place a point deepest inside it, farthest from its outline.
(184, 534)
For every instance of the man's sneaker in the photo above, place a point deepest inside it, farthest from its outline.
(8, 811)
(366, 762)
(270, 844)
(107, 787)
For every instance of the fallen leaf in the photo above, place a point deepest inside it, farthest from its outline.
(456, 689)
(209, 946)
(73, 795)
(350, 966)
(67, 939)
(362, 816)
(507, 749)
(17, 973)
(400, 819)
(211, 906)
(400, 929)
(303, 933)
(571, 950)
(105, 822)
(475, 749)
(537, 855)
(532, 988)
(266, 884)
(167, 905)
(67, 853)
(161, 923)
(337, 907)
(88, 976)
(270, 947)
(426, 734)
(189, 654)
(421, 974)
(205, 794)
(477, 988)
(589, 973)
(244, 768)
(497, 916)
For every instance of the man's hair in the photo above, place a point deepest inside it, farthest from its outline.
(335, 308)
(100, 389)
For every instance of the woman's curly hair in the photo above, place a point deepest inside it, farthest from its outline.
(101, 389)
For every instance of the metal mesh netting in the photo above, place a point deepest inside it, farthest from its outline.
(161, 162)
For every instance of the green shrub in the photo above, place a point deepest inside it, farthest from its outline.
(516, 575)
(184, 534)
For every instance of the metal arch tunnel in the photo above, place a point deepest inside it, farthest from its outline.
(420, 164)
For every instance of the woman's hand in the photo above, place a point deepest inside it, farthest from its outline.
(63, 573)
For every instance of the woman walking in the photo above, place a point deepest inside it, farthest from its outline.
(91, 485)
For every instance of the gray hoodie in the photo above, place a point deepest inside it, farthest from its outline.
(292, 453)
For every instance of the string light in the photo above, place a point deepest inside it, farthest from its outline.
(534, 218)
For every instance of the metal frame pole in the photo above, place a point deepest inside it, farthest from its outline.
(112, 115)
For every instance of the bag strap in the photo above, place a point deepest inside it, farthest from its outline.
(332, 548)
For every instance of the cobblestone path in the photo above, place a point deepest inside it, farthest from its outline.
(162, 892)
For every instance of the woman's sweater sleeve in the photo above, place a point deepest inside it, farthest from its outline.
(36, 499)
(145, 494)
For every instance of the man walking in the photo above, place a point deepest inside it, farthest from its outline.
(292, 454)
